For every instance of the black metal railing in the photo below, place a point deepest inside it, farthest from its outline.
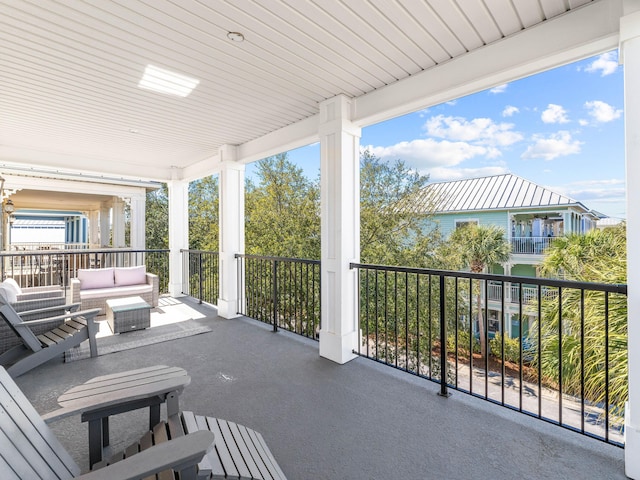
(283, 292)
(559, 355)
(200, 274)
(48, 267)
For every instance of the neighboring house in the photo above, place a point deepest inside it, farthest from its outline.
(530, 215)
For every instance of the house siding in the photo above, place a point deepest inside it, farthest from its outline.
(447, 222)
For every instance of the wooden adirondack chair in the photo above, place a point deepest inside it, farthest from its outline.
(73, 329)
(29, 449)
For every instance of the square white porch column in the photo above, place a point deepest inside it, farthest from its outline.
(630, 57)
(117, 223)
(340, 229)
(94, 228)
(104, 224)
(178, 232)
(231, 238)
(138, 232)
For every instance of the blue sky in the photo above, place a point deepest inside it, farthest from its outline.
(562, 129)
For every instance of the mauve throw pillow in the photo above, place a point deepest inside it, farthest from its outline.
(95, 278)
(130, 275)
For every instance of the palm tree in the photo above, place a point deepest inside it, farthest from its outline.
(479, 247)
(597, 256)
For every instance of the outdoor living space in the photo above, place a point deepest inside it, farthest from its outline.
(322, 420)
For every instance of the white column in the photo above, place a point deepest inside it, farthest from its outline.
(94, 228)
(138, 231)
(630, 57)
(117, 223)
(231, 237)
(178, 231)
(340, 225)
(105, 212)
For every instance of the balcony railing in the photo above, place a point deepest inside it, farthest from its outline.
(512, 292)
(530, 245)
(567, 363)
(200, 275)
(283, 292)
(48, 246)
(57, 267)
(568, 368)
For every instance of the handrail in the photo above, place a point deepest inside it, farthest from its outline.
(439, 325)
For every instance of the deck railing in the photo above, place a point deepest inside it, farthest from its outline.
(283, 292)
(200, 275)
(512, 292)
(57, 267)
(569, 367)
(532, 245)
(567, 363)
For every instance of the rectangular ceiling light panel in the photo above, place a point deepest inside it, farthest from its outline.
(165, 81)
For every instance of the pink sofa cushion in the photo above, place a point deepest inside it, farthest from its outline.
(95, 278)
(130, 276)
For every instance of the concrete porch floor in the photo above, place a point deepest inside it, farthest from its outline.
(321, 420)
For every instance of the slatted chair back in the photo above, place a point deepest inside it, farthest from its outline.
(22, 330)
(28, 448)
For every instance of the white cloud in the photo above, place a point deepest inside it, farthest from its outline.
(556, 145)
(509, 110)
(429, 153)
(606, 64)
(482, 131)
(499, 88)
(554, 114)
(602, 112)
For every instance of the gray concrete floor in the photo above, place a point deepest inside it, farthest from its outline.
(321, 420)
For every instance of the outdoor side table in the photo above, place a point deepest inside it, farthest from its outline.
(127, 314)
(101, 397)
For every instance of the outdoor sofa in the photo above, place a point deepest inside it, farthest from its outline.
(93, 287)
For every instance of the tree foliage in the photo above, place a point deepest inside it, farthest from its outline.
(390, 232)
(282, 211)
(477, 247)
(203, 214)
(157, 218)
(585, 328)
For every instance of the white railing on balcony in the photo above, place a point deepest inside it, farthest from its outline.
(512, 293)
(534, 245)
(23, 246)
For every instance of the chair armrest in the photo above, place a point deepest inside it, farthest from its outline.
(43, 288)
(179, 454)
(36, 304)
(74, 287)
(37, 295)
(154, 281)
(71, 307)
(88, 314)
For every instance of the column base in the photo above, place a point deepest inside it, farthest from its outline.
(175, 290)
(631, 446)
(338, 348)
(228, 308)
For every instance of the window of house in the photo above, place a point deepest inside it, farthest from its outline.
(465, 223)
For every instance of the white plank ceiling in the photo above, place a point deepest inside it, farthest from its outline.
(69, 70)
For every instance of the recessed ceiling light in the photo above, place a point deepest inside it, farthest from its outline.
(235, 36)
(134, 130)
(165, 81)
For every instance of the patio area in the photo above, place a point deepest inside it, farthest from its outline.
(361, 420)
